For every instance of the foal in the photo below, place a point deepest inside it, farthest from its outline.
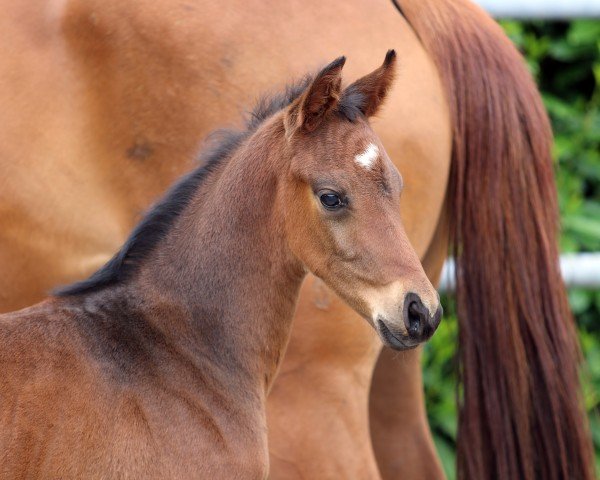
(159, 364)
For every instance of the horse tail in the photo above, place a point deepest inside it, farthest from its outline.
(521, 413)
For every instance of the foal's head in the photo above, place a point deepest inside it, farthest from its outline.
(342, 211)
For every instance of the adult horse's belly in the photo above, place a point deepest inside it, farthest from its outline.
(104, 103)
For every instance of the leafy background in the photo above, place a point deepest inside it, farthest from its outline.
(564, 57)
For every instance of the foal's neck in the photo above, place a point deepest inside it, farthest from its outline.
(226, 263)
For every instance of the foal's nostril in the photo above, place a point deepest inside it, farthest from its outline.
(415, 320)
(419, 324)
(416, 317)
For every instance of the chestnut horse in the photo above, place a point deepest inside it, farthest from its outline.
(158, 365)
(105, 103)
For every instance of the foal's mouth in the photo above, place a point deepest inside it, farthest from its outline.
(394, 341)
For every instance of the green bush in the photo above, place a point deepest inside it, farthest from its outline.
(565, 60)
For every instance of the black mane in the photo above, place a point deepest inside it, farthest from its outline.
(160, 218)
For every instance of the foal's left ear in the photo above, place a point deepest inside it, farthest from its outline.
(370, 91)
(317, 101)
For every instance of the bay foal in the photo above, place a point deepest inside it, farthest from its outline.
(159, 364)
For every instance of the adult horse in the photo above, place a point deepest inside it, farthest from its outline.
(105, 102)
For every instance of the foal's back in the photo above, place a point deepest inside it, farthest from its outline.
(79, 401)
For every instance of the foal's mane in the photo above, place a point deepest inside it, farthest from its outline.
(160, 218)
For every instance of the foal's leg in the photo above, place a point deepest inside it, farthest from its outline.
(400, 433)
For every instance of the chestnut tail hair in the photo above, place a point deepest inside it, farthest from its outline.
(521, 414)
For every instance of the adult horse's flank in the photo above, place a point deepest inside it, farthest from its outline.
(159, 364)
(105, 103)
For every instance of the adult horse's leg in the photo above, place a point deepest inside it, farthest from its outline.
(318, 406)
(400, 433)
(399, 428)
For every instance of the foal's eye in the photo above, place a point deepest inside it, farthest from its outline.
(331, 200)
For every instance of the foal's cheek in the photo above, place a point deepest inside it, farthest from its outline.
(345, 245)
(299, 216)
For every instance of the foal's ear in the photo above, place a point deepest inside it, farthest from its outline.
(320, 98)
(369, 92)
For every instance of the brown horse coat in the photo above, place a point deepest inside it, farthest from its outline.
(159, 364)
(120, 110)
(106, 102)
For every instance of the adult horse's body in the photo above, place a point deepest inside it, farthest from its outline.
(105, 103)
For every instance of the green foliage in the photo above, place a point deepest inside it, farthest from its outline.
(565, 60)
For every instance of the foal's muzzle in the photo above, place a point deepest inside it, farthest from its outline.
(419, 324)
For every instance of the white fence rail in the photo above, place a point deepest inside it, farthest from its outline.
(580, 270)
(542, 9)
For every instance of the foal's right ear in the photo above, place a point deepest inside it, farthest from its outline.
(370, 91)
(321, 97)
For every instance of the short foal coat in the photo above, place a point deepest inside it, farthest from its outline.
(158, 366)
